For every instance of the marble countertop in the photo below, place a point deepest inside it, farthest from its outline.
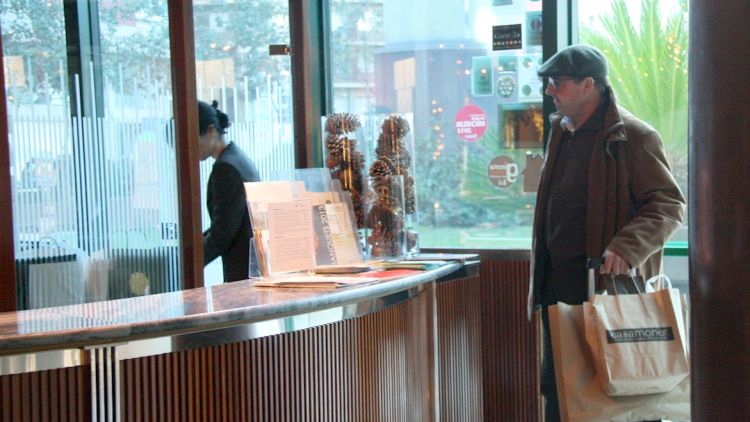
(183, 311)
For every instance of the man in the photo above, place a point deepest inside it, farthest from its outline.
(606, 191)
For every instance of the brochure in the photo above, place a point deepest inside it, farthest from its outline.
(290, 238)
(335, 240)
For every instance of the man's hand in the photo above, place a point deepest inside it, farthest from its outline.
(614, 264)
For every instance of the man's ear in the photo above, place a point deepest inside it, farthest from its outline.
(589, 83)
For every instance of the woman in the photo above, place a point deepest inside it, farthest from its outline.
(230, 233)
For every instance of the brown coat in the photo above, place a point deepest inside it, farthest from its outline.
(634, 203)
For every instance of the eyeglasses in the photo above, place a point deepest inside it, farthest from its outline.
(557, 81)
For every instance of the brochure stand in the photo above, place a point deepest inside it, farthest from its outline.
(301, 222)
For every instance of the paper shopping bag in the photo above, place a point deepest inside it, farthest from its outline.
(662, 281)
(641, 342)
(580, 395)
(592, 339)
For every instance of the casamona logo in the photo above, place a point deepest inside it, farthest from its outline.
(632, 335)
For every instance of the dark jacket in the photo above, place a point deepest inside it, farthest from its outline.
(633, 204)
(230, 233)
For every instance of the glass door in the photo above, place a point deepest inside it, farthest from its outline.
(92, 149)
(234, 67)
(92, 156)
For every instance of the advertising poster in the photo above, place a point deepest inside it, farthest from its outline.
(506, 78)
(481, 76)
(471, 123)
(530, 88)
(507, 37)
(533, 28)
(502, 171)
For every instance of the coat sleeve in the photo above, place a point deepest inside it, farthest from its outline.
(658, 204)
(227, 210)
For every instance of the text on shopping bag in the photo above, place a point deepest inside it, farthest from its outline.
(635, 335)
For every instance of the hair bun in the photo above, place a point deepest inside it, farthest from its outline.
(221, 117)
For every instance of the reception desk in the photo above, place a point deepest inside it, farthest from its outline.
(417, 348)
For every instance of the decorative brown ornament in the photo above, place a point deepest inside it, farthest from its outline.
(343, 159)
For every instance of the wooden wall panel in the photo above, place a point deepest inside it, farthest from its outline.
(460, 339)
(377, 367)
(54, 395)
(510, 350)
(374, 368)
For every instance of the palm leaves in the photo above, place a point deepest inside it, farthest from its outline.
(648, 70)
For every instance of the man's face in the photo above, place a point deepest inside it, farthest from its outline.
(567, 94)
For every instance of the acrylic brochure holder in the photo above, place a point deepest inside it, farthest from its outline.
(301, 221)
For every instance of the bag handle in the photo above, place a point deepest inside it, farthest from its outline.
(593, 263)
(658, 282)
(632, 279)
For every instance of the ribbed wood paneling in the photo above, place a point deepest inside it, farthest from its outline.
(372, 368)
(54, 395)
(510, 350)
(459, 334)
(378, 367)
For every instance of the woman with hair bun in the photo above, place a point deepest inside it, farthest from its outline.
(230, 233)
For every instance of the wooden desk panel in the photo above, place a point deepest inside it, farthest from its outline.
(54, 395)
(461, 347)
(377, 367)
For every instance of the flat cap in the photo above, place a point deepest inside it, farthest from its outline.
(577, 60)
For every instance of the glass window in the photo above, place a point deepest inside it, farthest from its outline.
(465, 73)
(233, 67)
(92, 150)
(650, 79)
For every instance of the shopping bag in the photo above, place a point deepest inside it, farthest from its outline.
(662, 281)
(592, 340)
(580, 395)
(637, 341)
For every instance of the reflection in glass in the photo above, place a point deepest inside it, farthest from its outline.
(524, 126)
(234, 68)
(399, 57)
(649, 79)
(92, 150)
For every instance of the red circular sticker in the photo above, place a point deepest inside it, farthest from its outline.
(471, 122)
(502, 171)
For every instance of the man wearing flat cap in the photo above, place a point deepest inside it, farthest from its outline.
(606, 191)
